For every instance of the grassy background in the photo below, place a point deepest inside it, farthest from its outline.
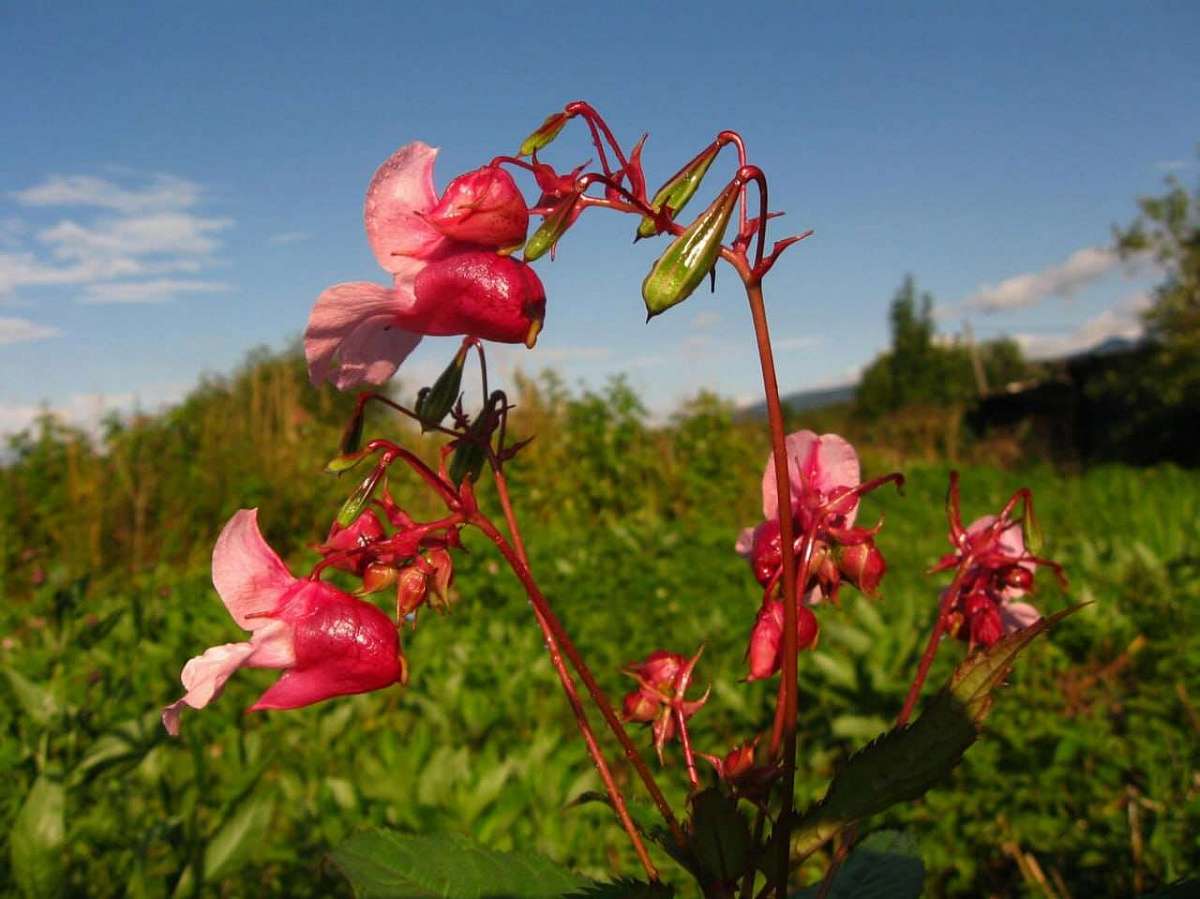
(1089, 772)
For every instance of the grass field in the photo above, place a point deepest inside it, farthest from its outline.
(1090, 766)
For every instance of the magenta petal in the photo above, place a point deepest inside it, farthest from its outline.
(353, 334)
(399, 195)
(248, 574)
(203, 678)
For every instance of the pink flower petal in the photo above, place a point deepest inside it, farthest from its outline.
(399, 195)
(248, 574)
(745, 542)
(204, 677)
(833, 464)
(355, 326)
(1018, 616)
(274, 646)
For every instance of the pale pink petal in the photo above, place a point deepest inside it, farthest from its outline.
(274, 646)
(745, 542)
(353, 334)
(203, 678)
(1018, 615)
(837, 464)
(397, 198)
(1011, 543)
(248, 574)
(823, 463)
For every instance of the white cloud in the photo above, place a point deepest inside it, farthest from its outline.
(1170, 166)
(163, 192)
(1121, 321)
(1062, 280)
(159, 290)
(88, 410)
(702, 321)
(148, 231)
(20, 330)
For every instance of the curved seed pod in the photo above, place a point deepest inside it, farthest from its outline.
(679, 271)
(675, 194)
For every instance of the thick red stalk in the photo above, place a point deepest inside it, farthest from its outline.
(521, 570)
(786, 536)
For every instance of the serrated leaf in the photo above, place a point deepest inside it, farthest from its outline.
(885, 865)
(36, 700)
(36, 840)
(903, 763)
(623, 888)
(719, 835)
(382, 864)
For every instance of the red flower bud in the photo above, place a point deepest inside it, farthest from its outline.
(766, 554)
(658, 670)
(863, 565)
(343, 543)
(378, 576)
(765, 652)
(1016, 577)
(412, 587)
(441, 575)
(986, 625)
(483, 207)
(640, 707)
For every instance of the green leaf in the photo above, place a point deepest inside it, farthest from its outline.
(240, 835)
(885, 865)
(382, 864)
(719, 835)
(36, 700)
(903, 763)
(36, 840)
(624, 888)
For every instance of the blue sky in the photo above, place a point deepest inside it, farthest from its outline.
(178, 182)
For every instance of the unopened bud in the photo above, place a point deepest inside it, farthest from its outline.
(679, 271)
(545, 133)
(483, 207)
(545, 238)
(766, 553)
(442, 575)
(343, 463)
(434, 403)
(863, 566)
(378, 577)
(1017, 577)
(357, 501)
(765, 652)
(411, 590)
(681, 187)
(640, 707)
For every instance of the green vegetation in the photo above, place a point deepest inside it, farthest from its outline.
(1088, 777)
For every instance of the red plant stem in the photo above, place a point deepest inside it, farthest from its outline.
(935, 637)
(364, 398)
(806, 551)
(784, 496)
(568, 685)
(431, 477)
(555, 628)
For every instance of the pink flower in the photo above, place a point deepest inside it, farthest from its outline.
(326, 642)
(663, 678)
(448, 274)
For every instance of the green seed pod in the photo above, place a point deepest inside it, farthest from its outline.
(554, 226)
(434, 403)
(675, 194)
(545, 133)
(679, 271)
(357, 501)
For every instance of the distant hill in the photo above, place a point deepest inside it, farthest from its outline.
(805, 400)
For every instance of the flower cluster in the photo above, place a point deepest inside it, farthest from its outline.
(994, 570)
(451, 272)
(825, 488)
(658, 700)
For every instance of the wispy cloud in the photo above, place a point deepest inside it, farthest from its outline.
(1170, 166)
(88, 410)
(144, 231)
(288, 237)
(799, 343)
(20, 330)
(1121, 321)
(160, 193)
(1078, 270)
(160, 290)
(703, 321)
